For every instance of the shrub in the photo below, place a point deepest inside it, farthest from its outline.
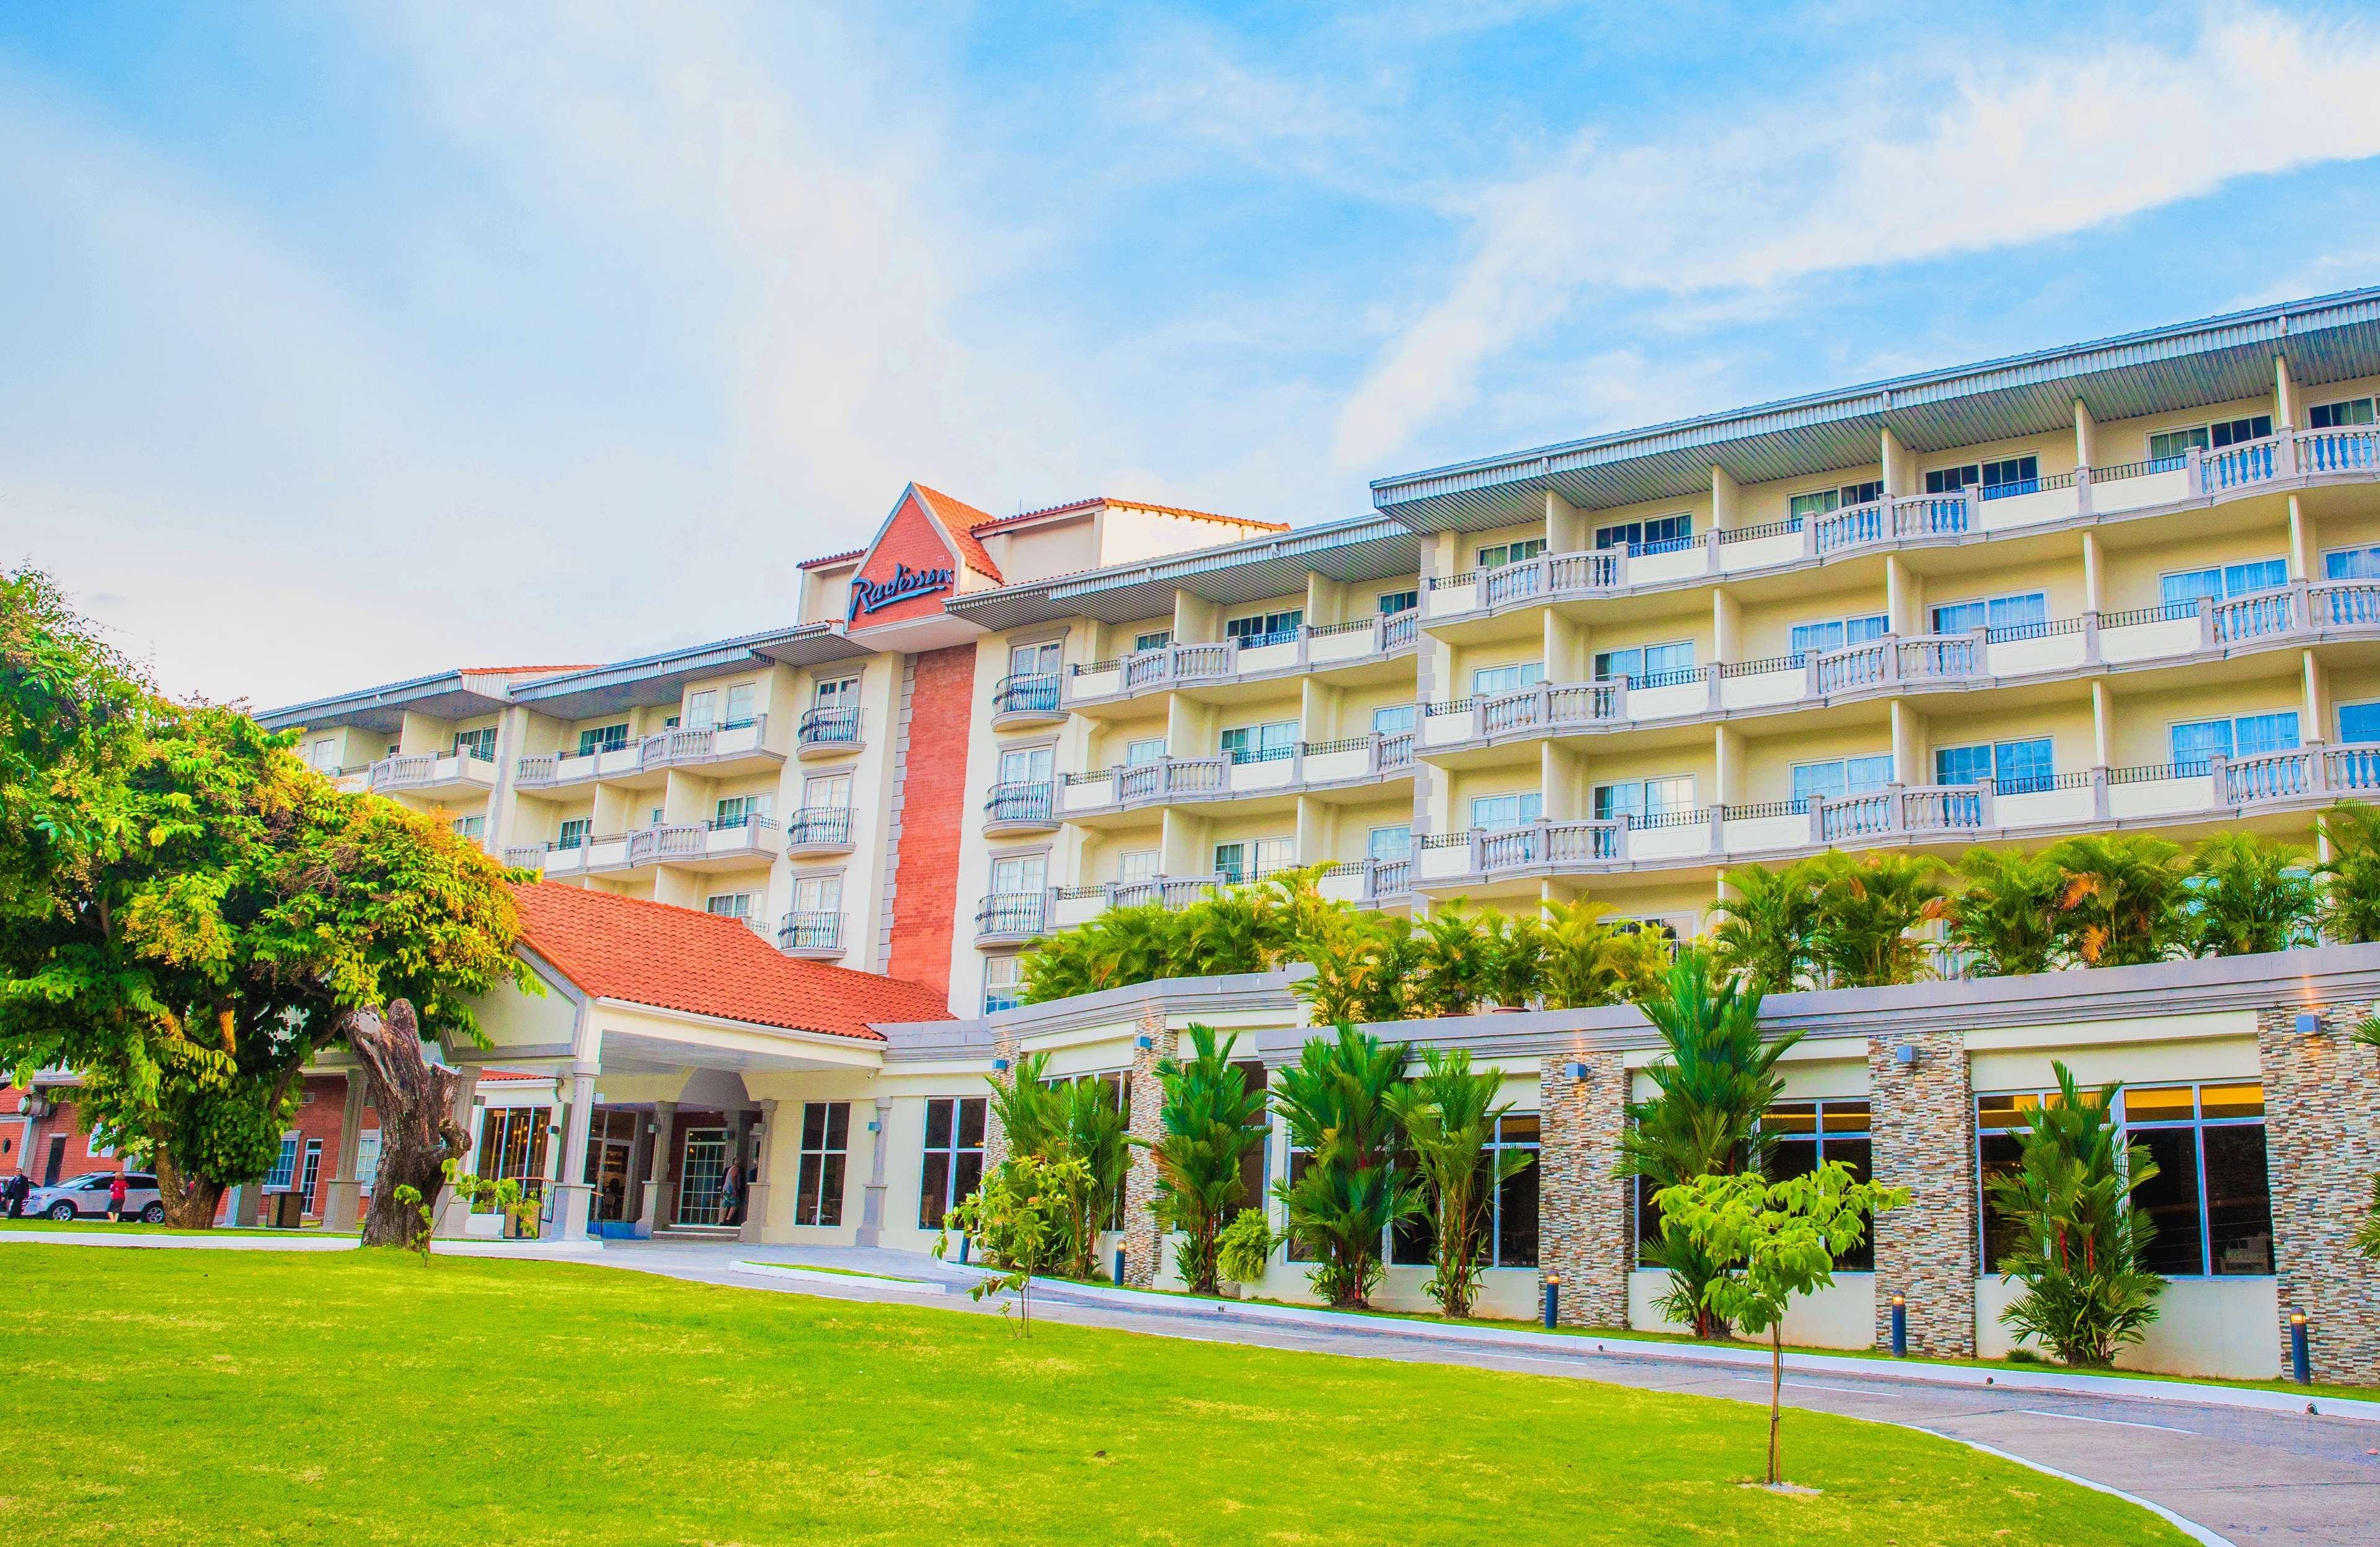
(1449, 1114)
(2246, 896)
(2005, 912)
(1243, 1251)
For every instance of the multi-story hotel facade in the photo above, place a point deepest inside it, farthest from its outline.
(2131, 585)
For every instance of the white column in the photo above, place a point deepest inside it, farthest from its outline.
(341, 1207)
(453, 1214)
(757, 1177)
(570, 1189)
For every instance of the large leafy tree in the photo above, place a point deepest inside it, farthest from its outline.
(1449, 1113)
(1347, 1189)
(1718, 1077)
(1209, 1121)
(189, 915)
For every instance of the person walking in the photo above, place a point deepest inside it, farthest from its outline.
(116, 1191)
(12, 1193)
(731, 1194)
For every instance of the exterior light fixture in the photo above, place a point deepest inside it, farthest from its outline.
(1575, 1069)
(1143, 1040)
(2309, 1023)
(2300, 1357)
(1000, 1066)
(1905, 1055)
(1553, 1299)
(1900, 1326)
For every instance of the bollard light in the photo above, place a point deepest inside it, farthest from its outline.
(1553, 1299)
(1119, 1267)
(2300, 1357)
(1900, 1327)
(963, 1250)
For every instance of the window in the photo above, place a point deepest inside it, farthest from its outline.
(1028, 765)
(819, 894)
(1805, 1134)
(843, 693)
(1500, 554)
(1640, 800)
(739, 706)
(1510, 1236)
(367, 1157)
(2013, 615)
(2185, 586)
(1507, 679)
(827, 792)
(1389, 844)
(285, 1166)
(1254, 860)
(1844, 776)
(1260, 744)
(1266, 628)
(574, 832)
(1136, 864)
(1001, 988)
(1157, 639)
(740, 811)
(326, 756)
(2168, 448)
(2210, 1200)
(312, 1175)
(1035, 660)
(2359, 722)
(2015, 475)
(1647, 665)
(655, 819)
(603, 738)
(702, 710)
(469, 826)
(2351, 563)
(1141, 754)
(2193, 742)
(1665, 532)
(1392, 719)
(1017, 875)
(2341, 415)
(1391, 603)
(2014, 768)
(953, 1151)
(1837, 634)
(826, 1134)
(480, 744)
(1504, 813)
(1802, 507)
(729, 904)
(512, 1148)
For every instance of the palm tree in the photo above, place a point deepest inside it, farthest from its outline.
(2080, 1238)
(1762, 932)
(1026, 1107)
(1228, 929)
(1094, 1121)
(1344, 1191)
(1867, 907)
(1589, 961)
(2246, 896)
(2351, 876)
(1449, 1116)
(2005, 913)
(1362, 968)
(2115, 902)
(1208, 1119)
(1514, 972)
(1718, 1077)
(1450, 960)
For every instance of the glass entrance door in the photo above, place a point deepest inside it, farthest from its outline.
(703, 1165)
(608, 1176)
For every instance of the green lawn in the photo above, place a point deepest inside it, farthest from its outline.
(281, 1398)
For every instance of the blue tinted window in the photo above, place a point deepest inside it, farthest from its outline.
(2256, 734)
(2018, 766)
(2359, 722)
(2351, 563)
(1961, 764)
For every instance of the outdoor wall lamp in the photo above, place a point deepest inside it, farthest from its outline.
(1144, 1041)
(1000, 1066)
(1575, 1069)
(1905, 1055)
(2309, 1023)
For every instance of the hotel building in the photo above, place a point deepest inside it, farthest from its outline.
(2131, 585)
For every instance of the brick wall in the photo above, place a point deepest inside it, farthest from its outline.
(1585, 1230)
(934, 806)
(914, 538)
(1142, 1239)
(2322, 1133)
(1921, 1118)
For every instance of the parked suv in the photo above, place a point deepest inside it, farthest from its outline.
(85, 1197)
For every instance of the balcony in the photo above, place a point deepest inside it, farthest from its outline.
(1016, 809)
(828, 733)
(734, 845)
(1019, 702)
(432, 774)
(1363, 646)
(2097, 800)
(1012, 918)
(2291, 460)
(812, 936)
(645, 763)
(1356, 762)
(819, 829)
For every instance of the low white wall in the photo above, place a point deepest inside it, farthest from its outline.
(2229, 1327)
(1842, 1316)
(1508, 1294)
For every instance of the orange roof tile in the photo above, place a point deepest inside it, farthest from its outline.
(650, 953)
(1099, 499)
(845, 556)
(960, 520)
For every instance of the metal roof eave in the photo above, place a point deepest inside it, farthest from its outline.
(382, 707)
(661, 678)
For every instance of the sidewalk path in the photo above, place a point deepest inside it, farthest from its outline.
(2241, 1475)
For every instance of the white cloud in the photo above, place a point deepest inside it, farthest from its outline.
(1919, 160)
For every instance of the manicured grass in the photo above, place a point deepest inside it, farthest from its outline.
(256, 1396)
(835, 1273)
(134, 1227)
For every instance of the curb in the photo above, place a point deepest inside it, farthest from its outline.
(846, 1280)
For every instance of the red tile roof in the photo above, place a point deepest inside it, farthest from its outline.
(845, 556)
(649, 953)
(961, 521)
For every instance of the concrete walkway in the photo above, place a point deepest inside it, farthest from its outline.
(2225, 1471)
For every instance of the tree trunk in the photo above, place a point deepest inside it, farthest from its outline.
(418, 1134)
(190, 1202)
(1776, 1395)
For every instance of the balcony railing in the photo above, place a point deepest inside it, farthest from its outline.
(1246, 771)
(432, 770)
(810, 933)
(819, 827)
(1311, 648)
(1026, 697)
(677, 748)
(1023, 804)
(1012, 915)
(828, 728)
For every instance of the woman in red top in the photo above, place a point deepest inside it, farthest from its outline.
(116, 1199)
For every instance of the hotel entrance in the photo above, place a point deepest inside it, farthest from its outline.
(615, 1196)
(702, 1166)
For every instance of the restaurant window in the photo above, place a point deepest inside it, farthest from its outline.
(954, 1156)
(511, 1148)
(1804, 1134)
(826, 1136)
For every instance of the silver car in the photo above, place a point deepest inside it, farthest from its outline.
(85, 1197)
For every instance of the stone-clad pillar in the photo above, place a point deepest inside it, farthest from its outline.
(1921, 1118)
(1142, 1239)
(1008, 1045)
(2322, 1145)
(1584, 1213)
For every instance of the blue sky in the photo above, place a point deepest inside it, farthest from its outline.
(349, 345)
